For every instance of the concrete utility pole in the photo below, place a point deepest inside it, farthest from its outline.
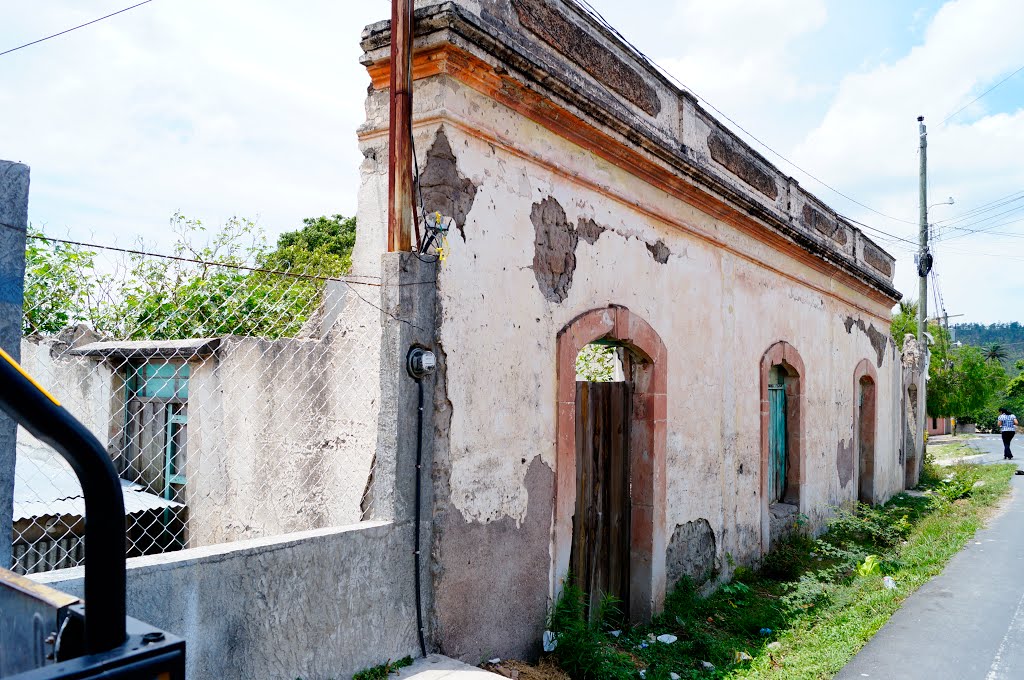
(14, 181)
(924, 260)
(400, 129)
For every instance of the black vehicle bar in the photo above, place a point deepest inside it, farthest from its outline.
(37, 411)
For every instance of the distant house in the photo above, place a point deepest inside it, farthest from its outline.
(49, 513)
(202, 431)
(942, 425)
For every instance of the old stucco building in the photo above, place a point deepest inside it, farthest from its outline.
(591, 199)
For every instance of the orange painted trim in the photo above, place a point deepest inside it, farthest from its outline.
(481, 76)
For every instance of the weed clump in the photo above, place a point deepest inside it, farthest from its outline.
(806, 609)
(382, 671)
(583, 648)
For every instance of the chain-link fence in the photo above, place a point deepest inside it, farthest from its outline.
(236, 389)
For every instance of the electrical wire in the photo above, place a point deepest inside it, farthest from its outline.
(225, 265)
(587, 8)
(980, 96)
(985, 207)
(966, 230)
(73, 28)
(976, 219)
(893, 237)
(345, 280)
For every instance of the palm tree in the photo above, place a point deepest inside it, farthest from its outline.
(995, 352)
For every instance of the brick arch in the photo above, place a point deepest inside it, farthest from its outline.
(865, 429)
(785, 355)
(647, 444)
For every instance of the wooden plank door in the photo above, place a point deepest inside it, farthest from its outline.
(599, 561)
(776, 443)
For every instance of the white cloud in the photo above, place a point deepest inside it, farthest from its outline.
(211, 108)
(867, 144)
(251, 108)
(739, 55)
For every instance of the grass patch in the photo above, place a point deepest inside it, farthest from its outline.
(951, 450)
(808, 609)
(382, 671)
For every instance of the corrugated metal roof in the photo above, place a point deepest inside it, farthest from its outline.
(148, 349)
(44, 484)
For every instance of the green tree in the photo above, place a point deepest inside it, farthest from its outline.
(224, 282)
(962, 383)
(323, 242)
(596, 363)
(904, 321)
(56, 293)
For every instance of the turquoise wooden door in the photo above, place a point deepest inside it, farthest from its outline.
(776, 443)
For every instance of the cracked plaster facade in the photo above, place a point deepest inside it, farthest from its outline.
(714, 254)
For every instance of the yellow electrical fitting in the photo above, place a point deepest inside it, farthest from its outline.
(442, 252)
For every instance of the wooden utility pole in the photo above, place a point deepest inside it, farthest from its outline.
(924, 258)
(400, 129)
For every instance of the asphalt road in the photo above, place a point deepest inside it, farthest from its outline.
(968, 622)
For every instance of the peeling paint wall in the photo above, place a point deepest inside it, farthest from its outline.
(557, 228)
(692, 552)
(717, 312)
(554, 249)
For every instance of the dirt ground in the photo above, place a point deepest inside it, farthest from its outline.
(519, 670)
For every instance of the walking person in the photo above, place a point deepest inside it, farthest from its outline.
(1008, 428)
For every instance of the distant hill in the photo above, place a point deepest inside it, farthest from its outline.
(1009, 335)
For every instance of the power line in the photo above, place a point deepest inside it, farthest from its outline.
(208, 263)
(970, 219)
(885, 234)
(589, 9)
(985, 207)
(980, 96)
(966, 229)
(348, 281)
(74, 28)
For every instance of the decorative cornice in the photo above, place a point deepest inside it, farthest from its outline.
(452, 42)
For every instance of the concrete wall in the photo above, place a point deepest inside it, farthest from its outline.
(568, 194)
(83, 386)
(282, 433)
(14, 182)
(314, 605)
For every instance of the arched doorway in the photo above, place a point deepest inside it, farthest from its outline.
(643, 435)
(865, 425)
(782, 371)
(599, 558)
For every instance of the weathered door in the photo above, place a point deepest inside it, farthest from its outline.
(599, 562)
(866, 441)
(776, 443)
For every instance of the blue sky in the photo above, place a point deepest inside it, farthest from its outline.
(250, 108)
